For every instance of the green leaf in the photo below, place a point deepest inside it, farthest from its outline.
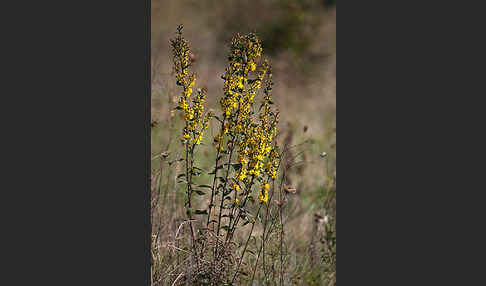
(215, 169)
(200, 212)
(237, 166)
(205, 186)
(227, 192)
(217, 118)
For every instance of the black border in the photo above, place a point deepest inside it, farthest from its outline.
(79, 74)
(147, 194)
(409, 210)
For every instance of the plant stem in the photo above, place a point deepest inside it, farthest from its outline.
(246, 245)
(248, 191)
(189, 194)
(264, 237)
(281, 230)
(233, 146)
(225, 183)
(214, 179)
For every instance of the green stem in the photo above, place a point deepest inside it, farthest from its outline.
(246, 245)
(214, 180)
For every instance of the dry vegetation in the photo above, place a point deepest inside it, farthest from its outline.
(292, 240)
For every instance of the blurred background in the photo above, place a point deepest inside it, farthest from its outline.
(299, 39)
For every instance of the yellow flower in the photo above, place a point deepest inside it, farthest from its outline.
(193, 81)
(183, 104)
(273, 173)
(198, 140)
(266, 187)
(189, 114)
(188, 92)
(264, 197)
(236, 187)
(237, 201)
(240, 79)
(242, 175)
(243, 162)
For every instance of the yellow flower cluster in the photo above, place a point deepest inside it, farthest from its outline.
(193, 107)
(239, 91)
(254, 136)
(272, 163)
(257, 147)
(245, 52)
